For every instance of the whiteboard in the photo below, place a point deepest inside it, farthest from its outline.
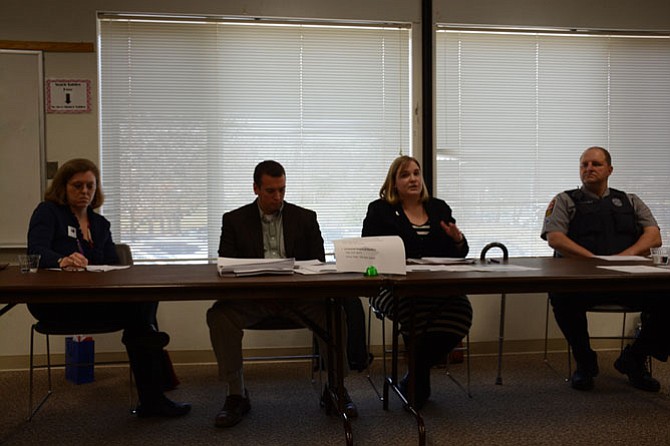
(21, 143)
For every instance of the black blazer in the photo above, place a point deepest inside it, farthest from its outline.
(242, 233)
(384, 218)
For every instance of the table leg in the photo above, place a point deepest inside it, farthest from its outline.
(336, 345)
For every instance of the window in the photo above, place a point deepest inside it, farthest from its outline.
(188, 108)
(515, 111)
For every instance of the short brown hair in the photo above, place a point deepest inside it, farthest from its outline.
(57, 191)
(388, 190)
(608, 157)
(268, 167)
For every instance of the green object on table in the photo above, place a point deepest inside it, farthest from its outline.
(371, 271)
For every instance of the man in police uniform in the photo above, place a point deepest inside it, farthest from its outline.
(596, 220)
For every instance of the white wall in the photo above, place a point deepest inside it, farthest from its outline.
(69, 136)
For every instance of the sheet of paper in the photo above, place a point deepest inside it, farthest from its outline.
(430, 267)
(439, 261)
(386, 254)
(491, 267)
(105, 268)
(259, 272)
(623, 258)
(311, 267)
(636, 269)
(504, 267)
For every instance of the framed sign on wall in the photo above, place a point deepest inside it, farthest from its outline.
(68, 96)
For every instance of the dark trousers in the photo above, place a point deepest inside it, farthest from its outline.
(357, 349)
(654, 339)
(138, 321)
(432, 348)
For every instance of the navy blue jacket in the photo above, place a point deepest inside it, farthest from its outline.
(52, 230)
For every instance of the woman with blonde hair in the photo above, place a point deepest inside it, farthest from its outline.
(428, 229)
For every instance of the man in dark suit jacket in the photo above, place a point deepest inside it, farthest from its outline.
(267, 228)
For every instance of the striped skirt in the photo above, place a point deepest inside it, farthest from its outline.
(452, 314)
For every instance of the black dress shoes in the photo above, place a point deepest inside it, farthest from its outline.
(350, 409)
(163, 408)
(635, 367)
(582, 378)
(234, 409)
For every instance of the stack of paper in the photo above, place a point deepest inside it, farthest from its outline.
(440, 261)
(253, 267)
(105, 268)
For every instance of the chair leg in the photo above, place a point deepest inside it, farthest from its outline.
(569, 363)
(49, 363)
(368, 369)
(546, 344)
(32, 408)
(314, 362)
(623, 331)
(392, 378)
(546, 333)
(30, 374)
(369, 365)
(317, 361)
(131, 404)
(32, 411)
(467, 363)
(466, 351)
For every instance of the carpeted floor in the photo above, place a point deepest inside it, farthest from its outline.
(534, 406)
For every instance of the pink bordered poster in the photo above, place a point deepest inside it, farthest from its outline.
(68, 96)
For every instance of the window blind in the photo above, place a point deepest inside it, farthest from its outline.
(188, 108)
(514, 112)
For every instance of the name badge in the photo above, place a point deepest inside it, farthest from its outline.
(72, 231)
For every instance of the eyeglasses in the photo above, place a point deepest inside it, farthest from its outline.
(79, 186)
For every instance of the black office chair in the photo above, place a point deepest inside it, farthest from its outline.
(357, 353)
(68, 329)
(601, 308)
(282, 323)
(386, 352)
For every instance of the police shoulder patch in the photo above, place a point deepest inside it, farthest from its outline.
(550, 208)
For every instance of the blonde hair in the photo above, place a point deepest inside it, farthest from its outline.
(388, 191)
